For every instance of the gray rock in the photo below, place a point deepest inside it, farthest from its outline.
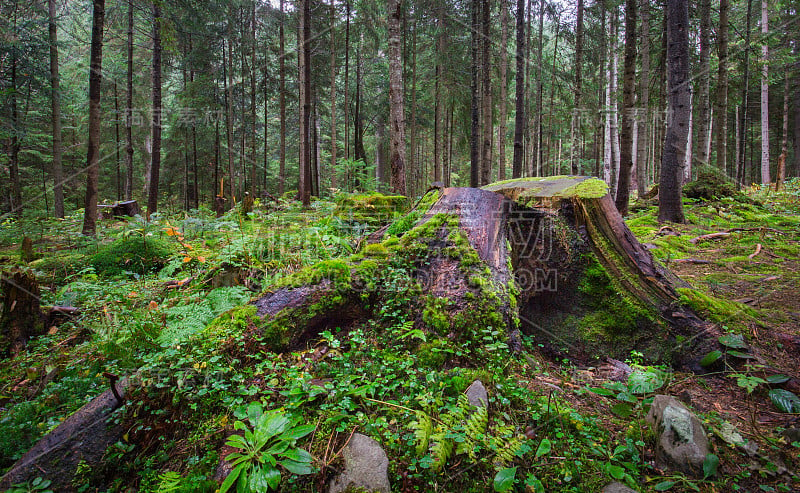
(617, 487)
(477, 394)
(365, 467)
(682, 442)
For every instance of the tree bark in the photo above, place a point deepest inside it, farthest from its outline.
(703, 101)
(486, 97)
(155, 163)
(304, 83)
(129, 109)
(21, 317)
(55, 104)
(475, 119)
(628, 108)
(227, 78)
(740, 164)
(397, 123)
(765, 175)
(502, 124)
(519, 118)
(575, 129)
(722, 88)
(670, 207)
(16, 186)
(642, 119)
(93, 147)
(333, 94)
(282, 103)
(437, 97)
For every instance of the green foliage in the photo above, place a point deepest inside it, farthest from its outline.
(138, 255)
(710, 184)
(193, 314)
(37, 485)
(270, 441)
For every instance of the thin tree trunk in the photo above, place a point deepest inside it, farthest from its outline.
(358, 127)
(116, 143)
(781, 172)
(575, 127)
(412, 160)
(282, 103)
(615, 146)
(722, 87)
(670, 207)
(474, 147)
(703, 100)
(740, 165)
(304, 82)
(397, 132)
(93, 147)
(644, 103)
(796, 106)
(129, 110)
(55, 104)
(438, 158)
(537, 136)
(765, 175)
(333, 94)
(253, 143)
(155, 164)
(501, 130)
(486, 97)
(227, 77)
(347, 80)
(628, 107)
(519, 118)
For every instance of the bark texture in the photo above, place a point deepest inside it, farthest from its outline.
(397, 121)
(93, 148)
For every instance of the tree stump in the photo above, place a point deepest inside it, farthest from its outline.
(550, 257)
(21, 317)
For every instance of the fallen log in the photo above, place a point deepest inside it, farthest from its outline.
(21, 317)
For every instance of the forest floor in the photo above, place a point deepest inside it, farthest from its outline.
(157, 298)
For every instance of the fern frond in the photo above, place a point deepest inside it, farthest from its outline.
(441, 449)
(474, 430)
(423, 427)
(507, 451)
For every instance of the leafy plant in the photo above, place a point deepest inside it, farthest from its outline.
(37, 485)
(270, 441)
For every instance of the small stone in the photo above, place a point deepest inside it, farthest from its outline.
(365, 467)
(617, 487)
(477, 394)
(682, 442)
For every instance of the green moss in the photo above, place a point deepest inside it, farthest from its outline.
(717, 309)
(371, 208)
(590, 189)
(229, 324)
(432, 354)
(336, 270)
(133, 254)
(402, 225)
(376, 250)
(436, 314)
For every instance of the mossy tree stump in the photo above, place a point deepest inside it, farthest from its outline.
(550, 257)
(21, 318)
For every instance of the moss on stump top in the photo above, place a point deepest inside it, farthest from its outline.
(523, 190)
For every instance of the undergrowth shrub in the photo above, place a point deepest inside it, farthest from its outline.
(710, 183)
(133, 254)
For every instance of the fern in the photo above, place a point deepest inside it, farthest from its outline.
(507, 450)
(423, 427)
(474, 430)
(192, 317)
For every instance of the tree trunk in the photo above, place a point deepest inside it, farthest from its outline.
(765, 176)
(227, 83)
(475, 120)
(55, 104)
(93, 147)
(722, 88)
(486, 97)
(412, 164)
(304, 83)
(21, 317)
(118, 163)
(397, 123)
(501, 128)
(347, 80)
(129, 109)
(253, 143)
(679, 108)
(537, 125)
(16, 186)
(333, 94)
(796, 106)
(644, 103)
(155, 163)
(575, 128)
(628, 108)
(740, 164)
(703, 101)
(781, 172)
(519, 118)
(358, 117)
(282, 104)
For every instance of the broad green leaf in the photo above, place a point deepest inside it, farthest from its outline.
(627, 397)
(616, 472)
(601, 391)
(664, 485)
(298, 455)
(270, 425)
(741, 355)
(277, 448)
(504, 479)
(544, 448)
(258, 480)
(622, 409)
(295, 467)
(273, 477)
(710, 465)
(710, 358)
(784, 400)
(232, 477)
(735, 341)
(646, 381)
(297, 432)
(776, 379)
(254, 412)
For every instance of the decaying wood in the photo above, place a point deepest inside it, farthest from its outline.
(690, 261)
(727, 232)
(756, 252)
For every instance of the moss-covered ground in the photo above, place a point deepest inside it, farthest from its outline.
(200, 354)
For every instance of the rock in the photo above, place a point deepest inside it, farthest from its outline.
(682, 442)
(617, 487)
(791, 434)
(477, 394)
(365, 467)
